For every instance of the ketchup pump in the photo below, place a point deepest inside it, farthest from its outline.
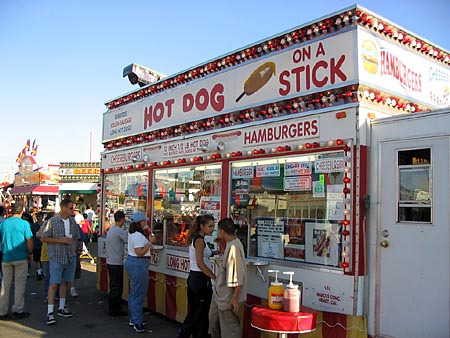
(291, 295)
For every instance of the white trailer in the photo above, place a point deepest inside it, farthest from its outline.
(409, 233)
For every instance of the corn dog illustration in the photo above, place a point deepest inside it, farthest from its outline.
(258, 79)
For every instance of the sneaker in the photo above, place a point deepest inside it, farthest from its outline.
(39, 276)
(45, 299)
(65, 313)
(20, 315)
(139, 328)
(131, 323)
(50, 319)
(73, 292)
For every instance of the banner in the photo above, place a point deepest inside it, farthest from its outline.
(320, 65)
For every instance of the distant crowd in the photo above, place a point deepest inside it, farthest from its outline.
(52, 243)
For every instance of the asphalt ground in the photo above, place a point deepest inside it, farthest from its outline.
(90, 313)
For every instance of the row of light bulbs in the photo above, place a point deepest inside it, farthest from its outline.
(346, 232)
(286, 149)
(389, 100)
(294, 106)
(299, 35)
(401, 37)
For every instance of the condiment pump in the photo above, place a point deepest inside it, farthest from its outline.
(291, 295)
(275, 297)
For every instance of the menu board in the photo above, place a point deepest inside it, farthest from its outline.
(335, 202)
(270, 237)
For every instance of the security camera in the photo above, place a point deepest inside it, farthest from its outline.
(221, 146)
(145, 158)
(141, 75)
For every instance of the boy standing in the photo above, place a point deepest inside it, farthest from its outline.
(229, 287)
(61, 235)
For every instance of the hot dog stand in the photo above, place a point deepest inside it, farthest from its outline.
(278, 136)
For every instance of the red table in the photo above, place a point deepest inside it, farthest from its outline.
(282, 322)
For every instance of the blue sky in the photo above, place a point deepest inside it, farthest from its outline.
(61, 60)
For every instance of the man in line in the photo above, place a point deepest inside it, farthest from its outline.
(62, 237)
(17, 248)
(229, 287)
(115, 240)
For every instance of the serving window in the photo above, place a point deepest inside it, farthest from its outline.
(127, 192)
(180, 194)
(290, 208)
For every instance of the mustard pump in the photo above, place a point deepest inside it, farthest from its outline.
(275, 297)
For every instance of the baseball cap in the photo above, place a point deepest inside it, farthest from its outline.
(138, 216)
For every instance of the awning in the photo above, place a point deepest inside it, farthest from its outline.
(78, 188)
(5, 184)
(35, 190)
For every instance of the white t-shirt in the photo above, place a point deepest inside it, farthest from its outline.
(66, 227)
(193, 256)
(79, 219)
(136, 240)
(90, 214)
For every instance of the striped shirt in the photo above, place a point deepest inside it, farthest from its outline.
(58, 252)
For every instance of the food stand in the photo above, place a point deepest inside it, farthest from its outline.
(79, 179)
(35, 186)
(276, 135)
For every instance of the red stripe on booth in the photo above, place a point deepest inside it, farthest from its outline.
(333, 330)
(171, 297)
(151, 294)
(247, 329)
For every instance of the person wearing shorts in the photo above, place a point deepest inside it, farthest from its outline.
(62, 237)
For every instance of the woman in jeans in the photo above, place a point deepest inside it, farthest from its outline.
(136, 266)
(199, 291)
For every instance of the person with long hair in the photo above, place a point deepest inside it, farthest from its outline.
(199, 291)
(136, 266)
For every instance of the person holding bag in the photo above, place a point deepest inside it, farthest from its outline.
(136, 266)
(199, 291)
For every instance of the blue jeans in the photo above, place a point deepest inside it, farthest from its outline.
(137, 269)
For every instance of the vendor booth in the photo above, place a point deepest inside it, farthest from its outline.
(278, 136)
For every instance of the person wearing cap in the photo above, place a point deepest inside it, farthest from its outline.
(136, 266)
